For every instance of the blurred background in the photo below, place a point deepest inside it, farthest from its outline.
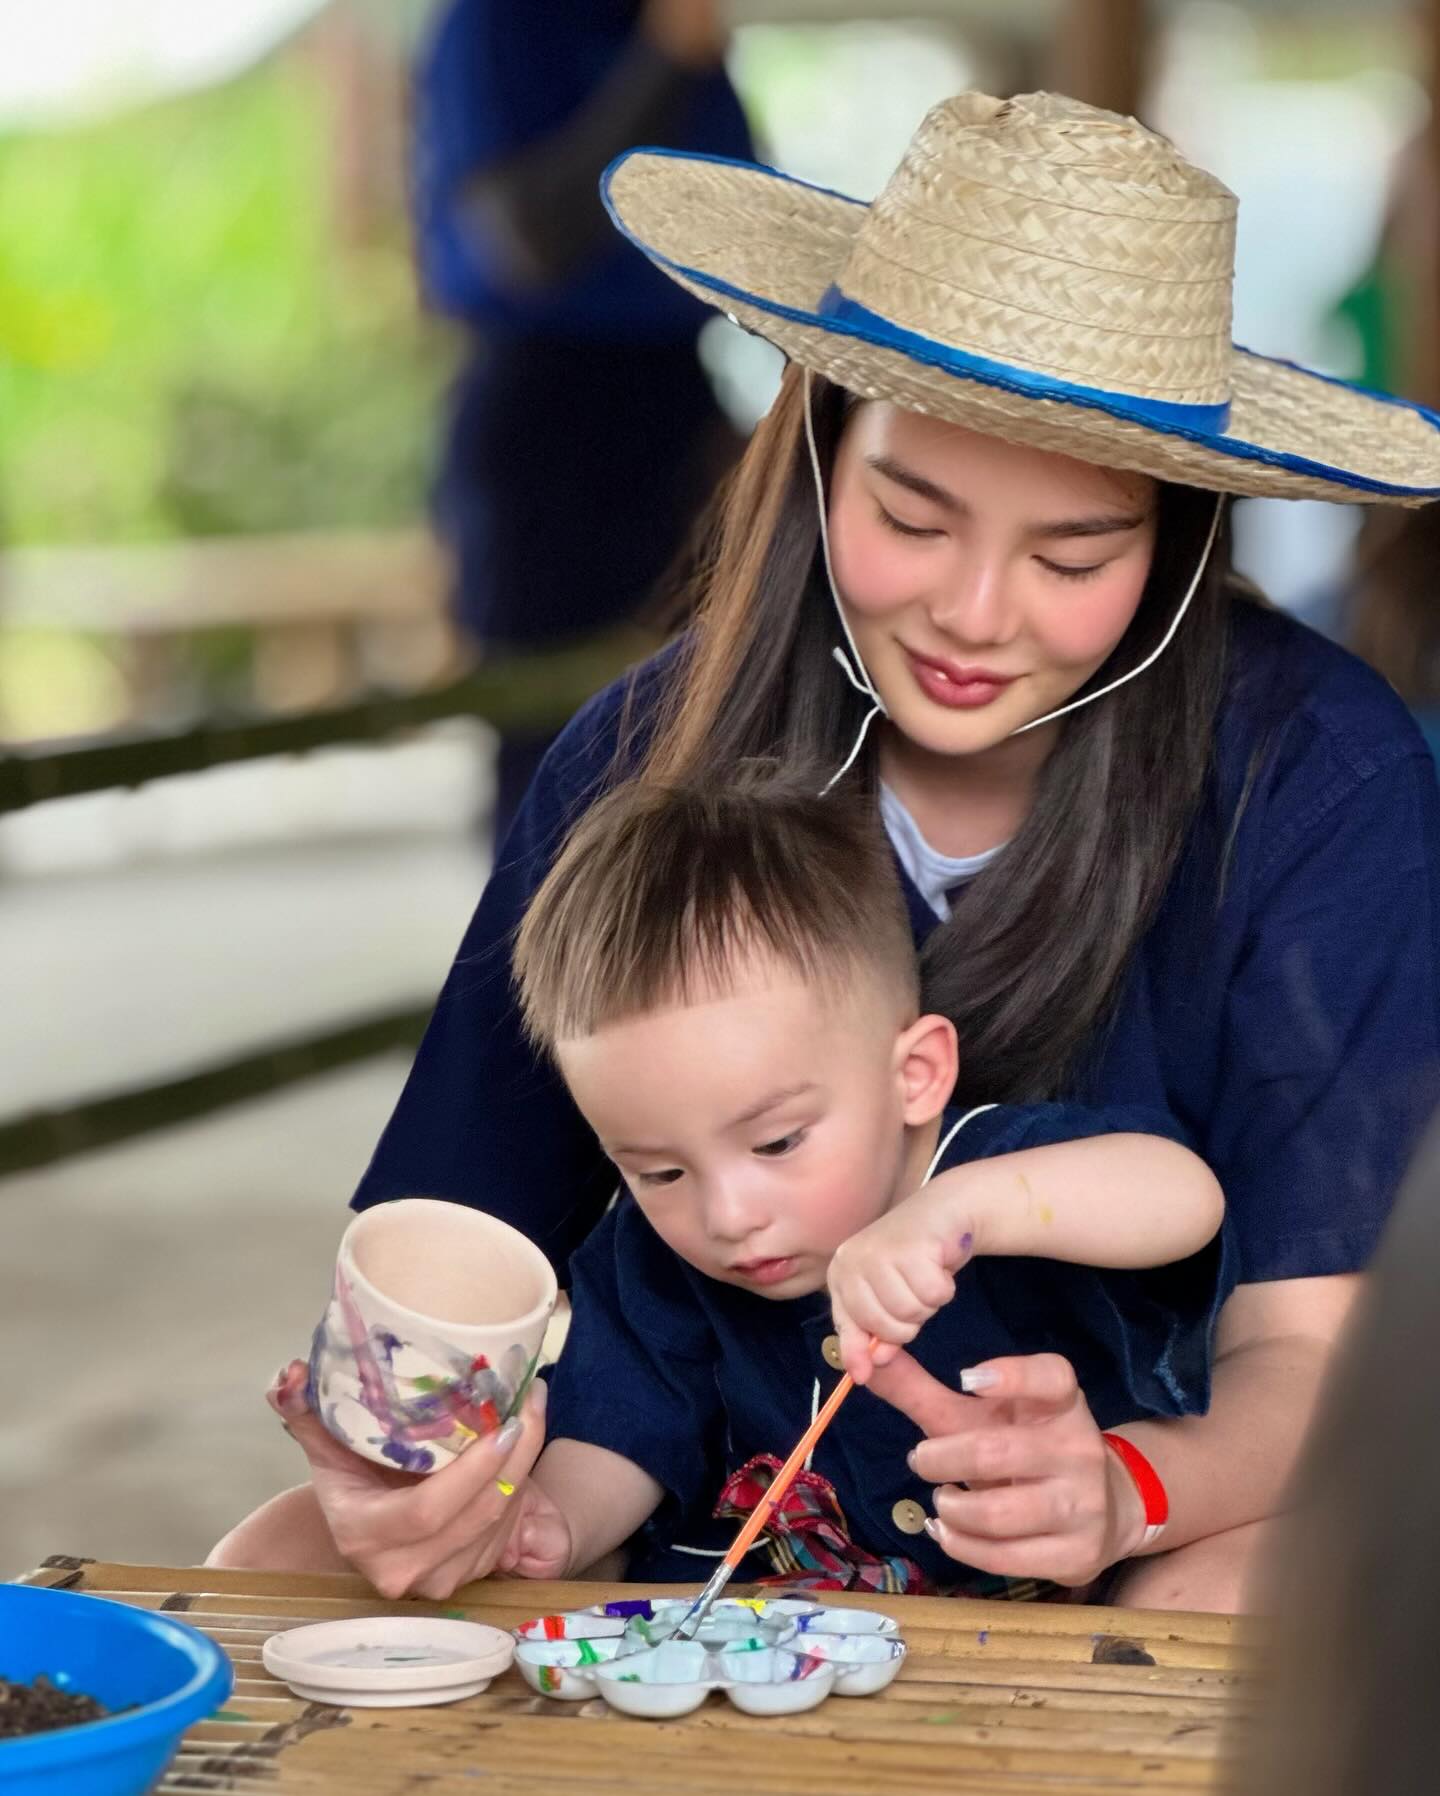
(269, 667)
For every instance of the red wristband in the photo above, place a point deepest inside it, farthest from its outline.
(1147, 1482)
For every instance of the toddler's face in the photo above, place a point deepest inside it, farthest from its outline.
(759, 1126)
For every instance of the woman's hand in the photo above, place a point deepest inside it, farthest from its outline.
(425, 1536)
(1046, 1497)
(890, 1279)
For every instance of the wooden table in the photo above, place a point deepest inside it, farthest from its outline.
(1012, 1698)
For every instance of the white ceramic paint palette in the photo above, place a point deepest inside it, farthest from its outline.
(779, 1656)
(388, 1661)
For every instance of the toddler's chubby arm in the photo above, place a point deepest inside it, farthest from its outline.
(580, 1502)
(1122, 1200)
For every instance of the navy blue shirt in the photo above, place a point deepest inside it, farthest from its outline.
(495, 76)
(1287, 1019)
(690, 1378)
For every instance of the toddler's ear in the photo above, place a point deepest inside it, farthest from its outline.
(928, 1061)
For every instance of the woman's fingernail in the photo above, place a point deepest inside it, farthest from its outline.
(976, 1378)
(910, 1461)
(509, 1434)
(932, 1526)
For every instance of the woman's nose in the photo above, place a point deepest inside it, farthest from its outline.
(976, 605)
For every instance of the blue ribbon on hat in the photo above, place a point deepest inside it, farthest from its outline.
(876, 328)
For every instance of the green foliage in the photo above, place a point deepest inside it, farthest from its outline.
(184, 348)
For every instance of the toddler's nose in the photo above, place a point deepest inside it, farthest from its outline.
(734, 1210)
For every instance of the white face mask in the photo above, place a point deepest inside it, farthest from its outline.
(855, 670)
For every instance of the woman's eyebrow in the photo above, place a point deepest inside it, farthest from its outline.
(1105, 524)
(916, 483)
(1098, 524)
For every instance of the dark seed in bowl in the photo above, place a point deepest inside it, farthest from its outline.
(37, 1708)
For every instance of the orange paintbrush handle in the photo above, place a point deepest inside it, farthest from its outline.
(785, 1477)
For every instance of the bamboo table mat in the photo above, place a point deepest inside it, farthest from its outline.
(1018, 1699)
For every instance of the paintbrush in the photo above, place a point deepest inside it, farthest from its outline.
(765, 1508)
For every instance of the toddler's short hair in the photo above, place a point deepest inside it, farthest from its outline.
(661, 885)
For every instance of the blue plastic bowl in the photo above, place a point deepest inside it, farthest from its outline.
(120, 1656)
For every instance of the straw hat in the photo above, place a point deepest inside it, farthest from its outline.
(1036, 269)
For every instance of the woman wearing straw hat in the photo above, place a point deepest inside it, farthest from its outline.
(1162, 844)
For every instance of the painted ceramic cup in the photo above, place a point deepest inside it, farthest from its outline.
(433, 1333)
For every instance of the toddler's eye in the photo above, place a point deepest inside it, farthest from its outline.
(787, 1144)
(667, 1177)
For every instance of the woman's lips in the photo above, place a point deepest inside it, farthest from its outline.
(957, 688)
(765, 1272)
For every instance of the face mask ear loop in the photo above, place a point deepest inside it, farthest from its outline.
(1159, 648)
(851, 665)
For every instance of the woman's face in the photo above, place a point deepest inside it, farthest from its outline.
(984, 582)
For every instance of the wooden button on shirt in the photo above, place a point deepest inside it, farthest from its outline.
(830, 1352)
(908, 1516)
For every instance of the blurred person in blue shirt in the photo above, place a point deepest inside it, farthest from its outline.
(582, 437)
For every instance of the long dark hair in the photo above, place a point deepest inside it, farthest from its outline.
(1031, 960)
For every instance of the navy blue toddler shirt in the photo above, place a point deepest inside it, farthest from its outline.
(691, 1379)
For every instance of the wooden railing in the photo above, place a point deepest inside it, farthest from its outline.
(295, 594)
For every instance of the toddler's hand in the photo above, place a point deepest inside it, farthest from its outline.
(539, 1545)
(892, 1277)
(409, 1535)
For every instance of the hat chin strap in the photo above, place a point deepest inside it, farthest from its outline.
(858, 675)
(852, 665)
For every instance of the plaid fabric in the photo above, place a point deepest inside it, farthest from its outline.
(808, 1539)
(808, 1542)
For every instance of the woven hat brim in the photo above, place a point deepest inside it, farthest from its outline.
(764, 248)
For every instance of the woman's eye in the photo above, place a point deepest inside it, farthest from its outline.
(667, 1177)
(1088, 572)
(772, 1150)
(893, 523)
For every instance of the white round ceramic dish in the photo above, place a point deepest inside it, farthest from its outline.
(579, 1624)
(778, 1683)
(388, 1661)
(738, 1619)
(847, 1621)
(658, 1684)
(564, 1669)
(864, 1663)
(753, 1652)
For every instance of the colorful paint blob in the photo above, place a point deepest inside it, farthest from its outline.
(441, 1399)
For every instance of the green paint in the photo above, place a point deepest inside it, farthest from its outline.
(454, 1614)
(630, 1677)
(228, 1715)
(425, 1383)
(588, 1654)
(941, 1720)
(522, 1389)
